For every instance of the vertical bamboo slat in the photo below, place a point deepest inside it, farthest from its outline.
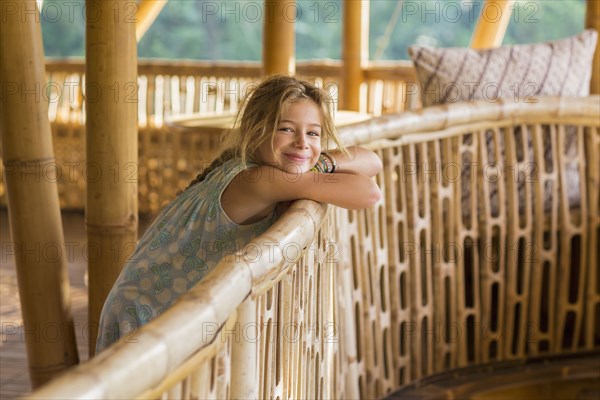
(592, 316)
(592, 21)
(355, 53)
(244, 363)
(112, 145)
(492, 23)
(35, 222)
(279, 43)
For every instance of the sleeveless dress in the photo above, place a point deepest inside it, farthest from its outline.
(186, 241)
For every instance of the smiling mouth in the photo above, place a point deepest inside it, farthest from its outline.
(297, 159)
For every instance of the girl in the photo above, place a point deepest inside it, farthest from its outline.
(273, 157)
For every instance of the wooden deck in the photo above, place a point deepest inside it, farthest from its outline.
(14, 376)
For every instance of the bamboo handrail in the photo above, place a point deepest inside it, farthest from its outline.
(373, 70)
(442, 121)
(380, 295)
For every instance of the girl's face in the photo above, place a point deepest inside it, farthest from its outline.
(297, 143)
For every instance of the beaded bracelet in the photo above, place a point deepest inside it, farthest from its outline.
(333, 164)
(326, 164)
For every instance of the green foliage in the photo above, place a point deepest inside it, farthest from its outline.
(537, 21)
(232, 30)
(63, 29)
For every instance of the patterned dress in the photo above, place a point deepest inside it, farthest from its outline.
(184, 243)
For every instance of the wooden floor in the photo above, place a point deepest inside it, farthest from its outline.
(14, 376)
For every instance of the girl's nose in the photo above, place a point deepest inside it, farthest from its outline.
(301, 140)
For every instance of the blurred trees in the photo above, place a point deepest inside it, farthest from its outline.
(231, 30)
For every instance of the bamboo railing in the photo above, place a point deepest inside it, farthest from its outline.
(173, 88)
(169, 159)
(483, 249)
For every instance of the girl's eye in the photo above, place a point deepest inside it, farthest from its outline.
(286, 129)
(313, 133)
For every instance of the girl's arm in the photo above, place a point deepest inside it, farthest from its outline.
(255, 193)
(361, 161)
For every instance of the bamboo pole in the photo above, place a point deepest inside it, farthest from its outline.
(279, 43)
(147, 12)
(492, 23)
(34, 211)
(111, 101)
(244, 355)
(592, 21)
(355, 53)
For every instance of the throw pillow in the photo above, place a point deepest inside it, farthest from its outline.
(561, 67)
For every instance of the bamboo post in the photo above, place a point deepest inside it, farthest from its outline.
(111, 126)
(34, 211)
(244, 354)
(279, 43)
(492, 23)
(355, 54)
(147, 12)
(592, 21)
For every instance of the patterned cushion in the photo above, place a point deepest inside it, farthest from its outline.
(522, 72)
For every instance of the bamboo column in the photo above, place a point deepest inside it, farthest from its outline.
(355, 54)
(492, 23)
(111, 126)
(592, 21)
(34, 213)
(279, 42)
(147, 12)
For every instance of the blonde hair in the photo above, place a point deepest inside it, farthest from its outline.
(256, 120)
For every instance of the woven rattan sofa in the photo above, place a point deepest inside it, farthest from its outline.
(331, 303)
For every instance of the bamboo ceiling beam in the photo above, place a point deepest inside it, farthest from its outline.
(33, 205)
(111, 147)
(492, 23)
(355, 53)
(147, 13)
(279, 42)
(592, 21)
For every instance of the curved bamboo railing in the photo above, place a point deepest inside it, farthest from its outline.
(168, 89)
(482, 249)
